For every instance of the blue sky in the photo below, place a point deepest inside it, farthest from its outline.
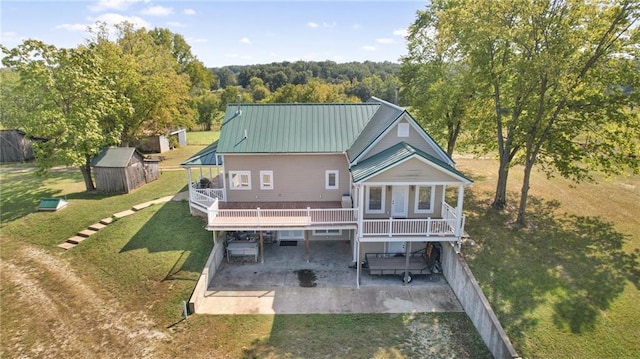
(230, 32)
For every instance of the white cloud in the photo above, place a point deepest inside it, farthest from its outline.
(175, 24)
(385, 40)
(329, 25)
(369, 48)
(189, 12)
(401, 32)
(104, 5)
(9, 37)
(356, 26)
(73, 27)
(245, 40)
(312, 24)
(113, 19)
(157, 11)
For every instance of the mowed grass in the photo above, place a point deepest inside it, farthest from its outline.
(567, 286)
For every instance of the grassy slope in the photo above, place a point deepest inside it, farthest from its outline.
(568, 286)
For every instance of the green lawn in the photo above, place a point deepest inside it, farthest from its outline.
(567, 287)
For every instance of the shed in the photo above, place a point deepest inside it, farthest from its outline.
(154, 144)
(15, 146)
(181, 135)
(122, 169)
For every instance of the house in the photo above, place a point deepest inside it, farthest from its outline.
(122, 169)
(362, 172)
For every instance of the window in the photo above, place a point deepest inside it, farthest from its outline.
(331, 179)
(327, 232)
(375, 199)
(424, 199)
(403, 129)
(266, 179)
(240, 179)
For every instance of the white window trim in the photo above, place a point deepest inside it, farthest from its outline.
(264, 185)
(290, 234)
(327, 174)
(403, 129)
(382, 201)
(240, 173)
(431, 197)
(325, 232)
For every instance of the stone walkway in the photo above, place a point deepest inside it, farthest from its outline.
(83, 235)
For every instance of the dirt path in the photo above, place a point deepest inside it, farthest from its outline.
(70, 315)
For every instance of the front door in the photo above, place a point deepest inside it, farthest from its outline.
(400, 201)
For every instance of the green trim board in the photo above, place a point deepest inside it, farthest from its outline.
(207, 156)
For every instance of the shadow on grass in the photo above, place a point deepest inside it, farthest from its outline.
(577, 264)
(21, 192)
(172, 228)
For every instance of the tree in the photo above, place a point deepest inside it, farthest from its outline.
(554, 71)
(436, 82)
(65, 98)
(148, 75)
(207, 105)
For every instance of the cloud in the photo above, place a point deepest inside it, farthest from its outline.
(369, 48)
(73, 27)
(157, 11)
(189, 12)
(329, 25)
(245, 40)
(356, 26)
(104, 5)
(9, 37)
(312, 24)
(175, 24)
(113, 19)
(401, 32)
(385, 40)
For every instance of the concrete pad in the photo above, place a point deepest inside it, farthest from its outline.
(291, 300)
(124, 213)
(107, 220)
(87, 233)
(162, 200)
(141, 206)
(97, 226)
(66, 245)
(76, 239)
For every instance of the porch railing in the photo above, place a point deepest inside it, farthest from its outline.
(412, 227)
(283, 217)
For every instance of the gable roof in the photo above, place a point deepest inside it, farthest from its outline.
(205, 157)
(394, 155)
(114, 157)
(293, 128)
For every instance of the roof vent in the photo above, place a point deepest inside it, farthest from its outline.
(245, 133)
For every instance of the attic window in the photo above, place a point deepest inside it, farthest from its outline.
(403, 129)
(331, 179)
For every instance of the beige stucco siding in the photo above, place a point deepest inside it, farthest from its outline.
(413, 170)
(415, 139)
(295, 177)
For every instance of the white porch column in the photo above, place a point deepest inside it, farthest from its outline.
(459, 211)
(360, 208)
(358, 263)
(189, 182)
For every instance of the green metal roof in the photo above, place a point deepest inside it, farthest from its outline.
(393, 155)
(114, 157)
(205, 157)
(293, 128)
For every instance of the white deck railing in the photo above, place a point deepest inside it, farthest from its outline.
(408, 227)
(208, 199)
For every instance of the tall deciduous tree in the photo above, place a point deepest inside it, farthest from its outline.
(555, 71)
(65, 98)
(149, 76)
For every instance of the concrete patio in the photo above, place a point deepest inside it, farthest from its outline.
(287, 284)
